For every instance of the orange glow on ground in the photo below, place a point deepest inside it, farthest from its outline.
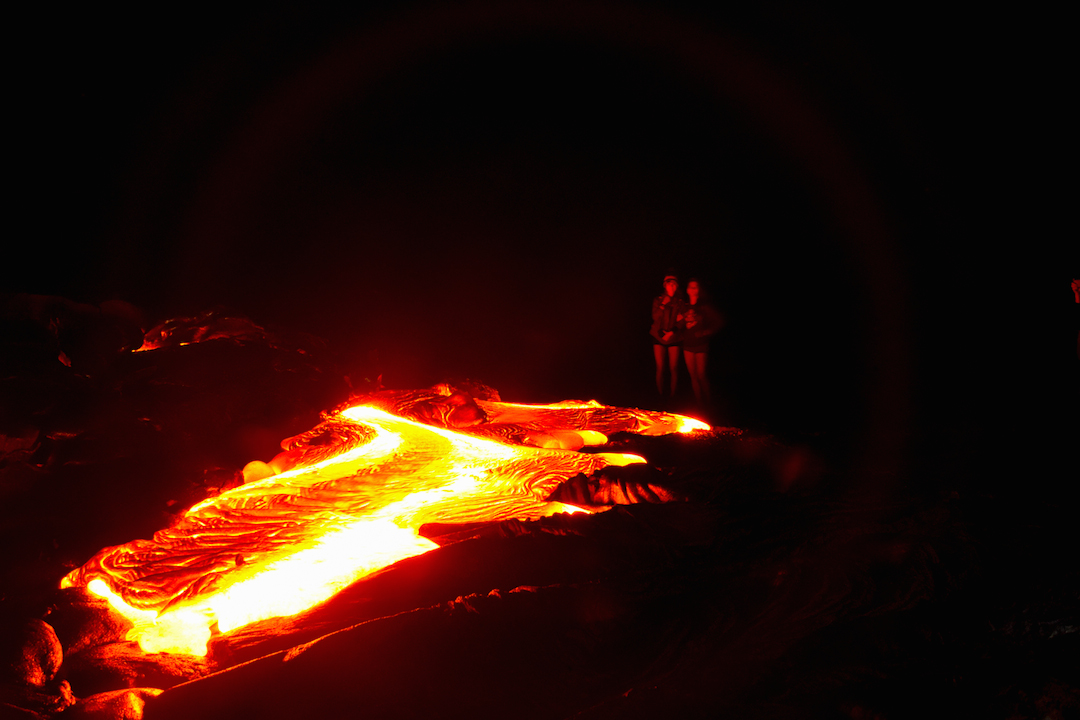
(689, 425)
(282, 544)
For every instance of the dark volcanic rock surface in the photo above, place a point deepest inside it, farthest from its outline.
(123, 665)
(766, 591)
(30, 654)
(84, 620)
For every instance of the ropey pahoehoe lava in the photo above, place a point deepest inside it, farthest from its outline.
(348, 498)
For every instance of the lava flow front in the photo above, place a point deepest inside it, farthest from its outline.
(348, 498)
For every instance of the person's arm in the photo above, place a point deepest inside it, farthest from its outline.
(709, 321)
(678, 329)
(657, 307)
(657, 314)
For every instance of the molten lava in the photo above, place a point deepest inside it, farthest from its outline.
(350, 499)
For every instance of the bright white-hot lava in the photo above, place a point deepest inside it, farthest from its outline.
(365, 482)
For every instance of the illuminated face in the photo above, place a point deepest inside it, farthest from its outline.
(671, 285)
(692, 290)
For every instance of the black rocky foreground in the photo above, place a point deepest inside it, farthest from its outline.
(767, 591)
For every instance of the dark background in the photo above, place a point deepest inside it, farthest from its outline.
(495, 191)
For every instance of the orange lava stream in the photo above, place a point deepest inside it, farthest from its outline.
(280, 545)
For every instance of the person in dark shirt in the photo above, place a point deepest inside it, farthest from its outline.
(700, 322)
(667, 314)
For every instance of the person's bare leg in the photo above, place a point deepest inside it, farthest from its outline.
(700, 361)
(691, 367)
(673, 361)
(658, 355)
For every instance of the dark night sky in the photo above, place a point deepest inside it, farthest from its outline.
(494, 191)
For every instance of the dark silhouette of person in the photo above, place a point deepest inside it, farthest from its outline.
(700, 322)
(667, 314)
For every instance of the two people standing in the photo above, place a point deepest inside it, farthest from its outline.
(686, 325)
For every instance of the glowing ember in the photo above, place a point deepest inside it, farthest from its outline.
(353, 494)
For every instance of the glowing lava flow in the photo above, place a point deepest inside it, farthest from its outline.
(365, 482)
